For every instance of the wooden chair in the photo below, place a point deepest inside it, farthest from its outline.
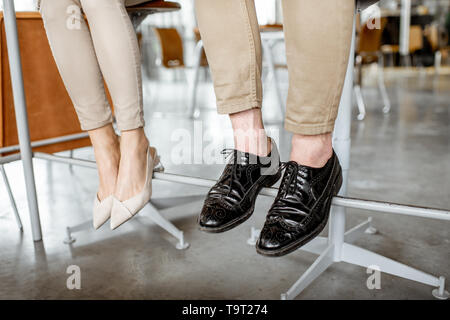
(172, 57)
(437, 41)
(415, 43)
(172, 53)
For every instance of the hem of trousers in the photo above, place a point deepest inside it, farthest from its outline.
(87, 126)
(242, 105)
(309, 129)
(130, 125)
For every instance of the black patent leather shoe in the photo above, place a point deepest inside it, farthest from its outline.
(231, 200)
(301, 208)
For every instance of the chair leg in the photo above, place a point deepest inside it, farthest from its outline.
(273, 72)
(360, 102)
(357, 89)
(437, 62)
(315, 270)
(381, 85)
(11, 198)
(192, 110)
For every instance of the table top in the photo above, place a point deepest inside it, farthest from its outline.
(156, 6)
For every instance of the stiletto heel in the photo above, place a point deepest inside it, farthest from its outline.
(122, 211)
(102, 211)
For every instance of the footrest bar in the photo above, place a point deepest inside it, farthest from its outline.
(371, 205)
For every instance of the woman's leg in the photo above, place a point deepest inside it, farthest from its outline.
(318, 37)
(75, 57)
(118, 55)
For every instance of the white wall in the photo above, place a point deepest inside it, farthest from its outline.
(23, 5)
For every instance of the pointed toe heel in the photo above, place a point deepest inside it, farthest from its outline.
(122, 211)
(101, 211)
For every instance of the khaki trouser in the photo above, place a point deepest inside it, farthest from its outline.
(318, 37)
(107, 49)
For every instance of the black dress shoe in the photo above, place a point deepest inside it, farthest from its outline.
(231, 200)
(301, 208)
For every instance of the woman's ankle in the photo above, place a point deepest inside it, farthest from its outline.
(134, 140)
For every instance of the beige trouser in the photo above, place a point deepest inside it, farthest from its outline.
(107, 49)
(318, 36)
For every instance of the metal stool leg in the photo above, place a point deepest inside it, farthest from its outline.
(437, 62)
(21, 116)
(359, 102)
(273, 73)
(192, 110)
(381, 85)
(11, 198)
(357, 90)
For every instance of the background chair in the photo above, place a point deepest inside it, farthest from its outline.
(368, 50)
(437, 40)
(172, 57)
(415, 44)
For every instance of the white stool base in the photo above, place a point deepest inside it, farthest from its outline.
(358, 256)
(153, 211)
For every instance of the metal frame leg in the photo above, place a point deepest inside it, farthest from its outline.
(381, 85)
(315, 270)
(365, 258)
(358, 231)
(21, 116)
(192, 110)
(254, 235)
(360, 102)
(268, 56)
(437, 62)
(166, 225)
(11, 198)
(357, 90)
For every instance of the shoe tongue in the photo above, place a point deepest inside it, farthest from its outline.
(241, 157)
(293, 170)
(245, 158)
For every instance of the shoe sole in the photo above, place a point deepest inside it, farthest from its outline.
(302, 241)
(234, 223)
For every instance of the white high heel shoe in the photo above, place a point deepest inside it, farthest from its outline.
(122, 211)
(102, 210)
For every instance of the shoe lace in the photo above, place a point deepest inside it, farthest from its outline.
(289, 192)
(231, 173)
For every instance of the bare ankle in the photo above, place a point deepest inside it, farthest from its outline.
(135, 140)
(249, 133)
(312, 151)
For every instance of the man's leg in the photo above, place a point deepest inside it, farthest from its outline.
(230, 35)
(318, 38)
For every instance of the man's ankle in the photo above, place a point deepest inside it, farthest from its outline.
(312, 151)
(249, 133)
